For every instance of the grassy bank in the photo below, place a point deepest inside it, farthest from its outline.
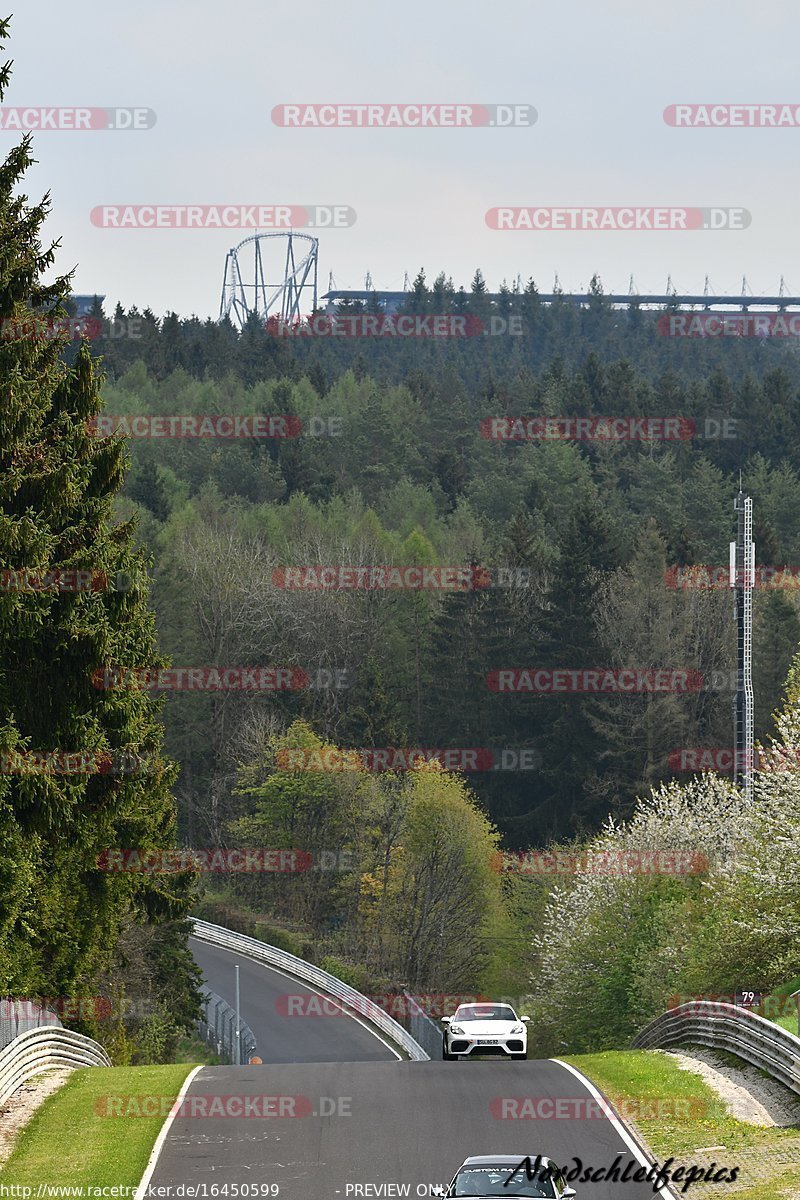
(677, 1115)
(70, 1140)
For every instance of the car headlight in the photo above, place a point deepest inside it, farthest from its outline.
(518, 1029)
(456, 1029)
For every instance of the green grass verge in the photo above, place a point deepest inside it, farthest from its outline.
(786, 989)
(195, 1050)
(787, 1023)
(779, 1009)
(690, 1119)
(69, 1141)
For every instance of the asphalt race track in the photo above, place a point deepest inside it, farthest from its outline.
(285, 1039)
(332, 1113)
(390, 1123)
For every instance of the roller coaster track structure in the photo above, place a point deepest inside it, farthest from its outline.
(248, 292)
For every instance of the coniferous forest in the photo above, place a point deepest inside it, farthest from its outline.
(581, 537)
(578, 549)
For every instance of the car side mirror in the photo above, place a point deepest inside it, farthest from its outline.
(524, 1018)
(567, 1192)
(446, 1020)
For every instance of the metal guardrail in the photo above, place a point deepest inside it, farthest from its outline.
(217, 1027)
(727, 1027)
(271, 956)
(18, 1016)
(43, 1049)
(423, 1029)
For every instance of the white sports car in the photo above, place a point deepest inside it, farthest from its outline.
(505, 1175)
(484, 1029)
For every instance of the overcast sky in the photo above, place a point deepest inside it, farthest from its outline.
(599, 75)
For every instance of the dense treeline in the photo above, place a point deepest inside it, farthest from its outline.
(393, 467)
(489, 356)
(694, 895)
(581, 533)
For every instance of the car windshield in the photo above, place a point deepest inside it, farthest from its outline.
(485, 1012)
(492, 1181)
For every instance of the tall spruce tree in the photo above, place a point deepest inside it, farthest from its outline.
(60, 912)
(570, 745)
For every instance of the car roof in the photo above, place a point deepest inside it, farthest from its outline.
(486, 1004)
(503, 1160)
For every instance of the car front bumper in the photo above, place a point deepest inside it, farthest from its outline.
(502, 1047)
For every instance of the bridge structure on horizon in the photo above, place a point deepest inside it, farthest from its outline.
(393, 301)
(291, 258)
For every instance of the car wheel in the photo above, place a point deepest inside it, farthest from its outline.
(446, 1057)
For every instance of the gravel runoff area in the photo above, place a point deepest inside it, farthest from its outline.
(749, 1096)
(19, 1108)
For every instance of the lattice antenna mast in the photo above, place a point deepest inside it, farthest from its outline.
(742, 580)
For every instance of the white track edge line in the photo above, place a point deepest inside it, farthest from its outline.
(162, 1135)
(624, 1133)
(311, 988)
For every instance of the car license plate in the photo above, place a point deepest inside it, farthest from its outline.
(488, 1041)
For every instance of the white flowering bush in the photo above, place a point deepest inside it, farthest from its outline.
(617, 942)
(750, 931)
(614, 935)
